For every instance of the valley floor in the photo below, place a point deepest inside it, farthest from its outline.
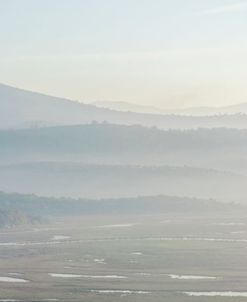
(144, 258)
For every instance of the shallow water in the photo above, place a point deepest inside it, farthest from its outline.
(126, 225)
(110, 291)
(10, 279)
(87, 276)
(137, 253)
(60, 237)
(216, 294)
(64, 275)
(191, 277)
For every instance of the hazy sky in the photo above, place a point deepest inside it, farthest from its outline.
(166, 53)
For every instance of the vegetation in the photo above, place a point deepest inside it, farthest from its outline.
(20, 209)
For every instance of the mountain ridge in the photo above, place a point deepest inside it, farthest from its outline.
(24, 109)
(240, 108)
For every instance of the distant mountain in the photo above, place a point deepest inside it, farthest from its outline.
(127, 107)
(22, 109)
(191, 111)
(210, 111)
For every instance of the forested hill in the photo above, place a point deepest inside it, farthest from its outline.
(27, 208)
(14, 217)
(106, 143)
(110, 138)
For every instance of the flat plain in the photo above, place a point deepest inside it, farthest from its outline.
(175, 258)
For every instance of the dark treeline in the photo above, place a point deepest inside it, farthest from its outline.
(23, 206)
(220, 148)
(109, 138)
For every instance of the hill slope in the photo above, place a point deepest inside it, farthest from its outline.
(20, 108)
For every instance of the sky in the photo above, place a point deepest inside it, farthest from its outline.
(163, 53)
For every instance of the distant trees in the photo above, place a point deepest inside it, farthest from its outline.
(18, 209)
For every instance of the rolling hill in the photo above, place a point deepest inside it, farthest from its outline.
(77, 180)
(104, 160)
(223, 149)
